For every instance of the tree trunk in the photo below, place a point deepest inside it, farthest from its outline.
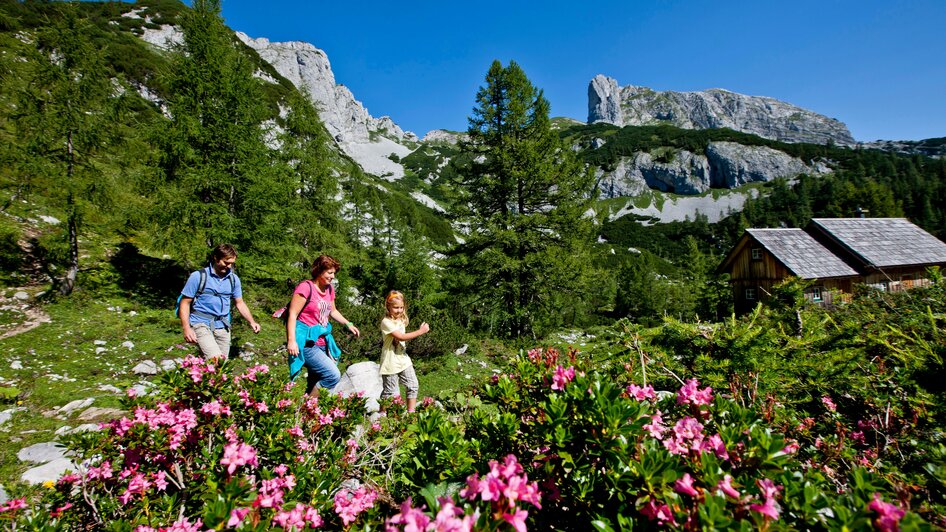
(69, 281)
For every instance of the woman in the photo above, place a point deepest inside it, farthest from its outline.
(308, 331)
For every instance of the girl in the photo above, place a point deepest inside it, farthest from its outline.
(396, 366)
(308, 331)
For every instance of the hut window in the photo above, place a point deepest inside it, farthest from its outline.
(750, 294)
(756, 253)
(816, 293)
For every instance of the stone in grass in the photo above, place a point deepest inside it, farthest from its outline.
(16, 364)
(73, 406)
(168, 364)
(22, 296)
(95, 412)
(128, 344)
(41, 453)
(50, 471)
(3, 496)
(109, 388)
(362, 377)
(148, 367)
(100, 342)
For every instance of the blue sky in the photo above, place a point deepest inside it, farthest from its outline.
(878, 66)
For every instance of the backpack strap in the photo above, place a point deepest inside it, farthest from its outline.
(203, 283)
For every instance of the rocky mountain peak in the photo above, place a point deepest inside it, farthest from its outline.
(714, 108)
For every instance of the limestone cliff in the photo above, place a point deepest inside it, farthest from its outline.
(722, 165)
(714, 108)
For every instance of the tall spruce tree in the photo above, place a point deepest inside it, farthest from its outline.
(63, 112)
(316, 224)
(222, 186)
(523, 198)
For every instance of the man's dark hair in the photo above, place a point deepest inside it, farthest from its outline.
(223, 251)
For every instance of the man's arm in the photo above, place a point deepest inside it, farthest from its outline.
(245, 312)
(185, 313)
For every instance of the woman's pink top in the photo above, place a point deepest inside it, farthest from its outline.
(319, 307)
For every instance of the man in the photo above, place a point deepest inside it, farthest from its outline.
(205, 314)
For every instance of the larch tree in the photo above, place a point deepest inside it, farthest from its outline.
(221, 182)
(523, 201)
(63, 112)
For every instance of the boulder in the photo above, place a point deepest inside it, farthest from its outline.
(41, 453)
(148, 367)
(50, 471)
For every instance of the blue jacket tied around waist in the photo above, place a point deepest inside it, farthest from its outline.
(305, 333)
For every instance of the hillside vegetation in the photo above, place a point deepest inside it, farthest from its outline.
(648, 404)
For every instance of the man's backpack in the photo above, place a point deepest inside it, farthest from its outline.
(200, 290)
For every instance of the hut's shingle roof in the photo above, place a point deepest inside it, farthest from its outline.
(801, 253)
(884, 242)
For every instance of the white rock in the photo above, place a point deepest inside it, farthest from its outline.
(148, 367)
(16, 364)
(49, 471)
(22, 296)
(100, 342)
(461, 350)
(100, 350)
(78, 404)
(98, 412)
(128, 344)
(41, 453)
(109, 388)
(133, 313)
(168, 364)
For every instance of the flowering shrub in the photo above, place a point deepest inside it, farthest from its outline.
(585, 447)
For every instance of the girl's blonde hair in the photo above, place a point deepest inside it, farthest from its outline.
(390, 298)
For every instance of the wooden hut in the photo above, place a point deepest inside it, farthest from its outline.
(834, 253)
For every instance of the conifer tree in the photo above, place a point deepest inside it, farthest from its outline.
(222, 185)
(316, 224)
(64, 109)
(523, 198)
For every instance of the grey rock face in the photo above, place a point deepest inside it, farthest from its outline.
(734, 164)
(308, 68)
(710, 109)
(724, 165)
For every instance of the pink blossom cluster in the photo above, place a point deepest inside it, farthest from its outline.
(769, 507)
(215, 408)
(641, 394)
(251, 373)
(351, 452)
(238, 454)
(249, 402)
(348, 504)
(198, 367)
(177, 422)
(504, 486)
(688, 436)
(562, 377)
(181, 525)
(272, 491)
(298, 517)
(690, 393)
(888, 514)
(660, 512)
(829, 403)
(13, 505)
(140, 483)
(450, 518)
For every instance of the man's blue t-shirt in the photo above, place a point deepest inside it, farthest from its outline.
(215, 299)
